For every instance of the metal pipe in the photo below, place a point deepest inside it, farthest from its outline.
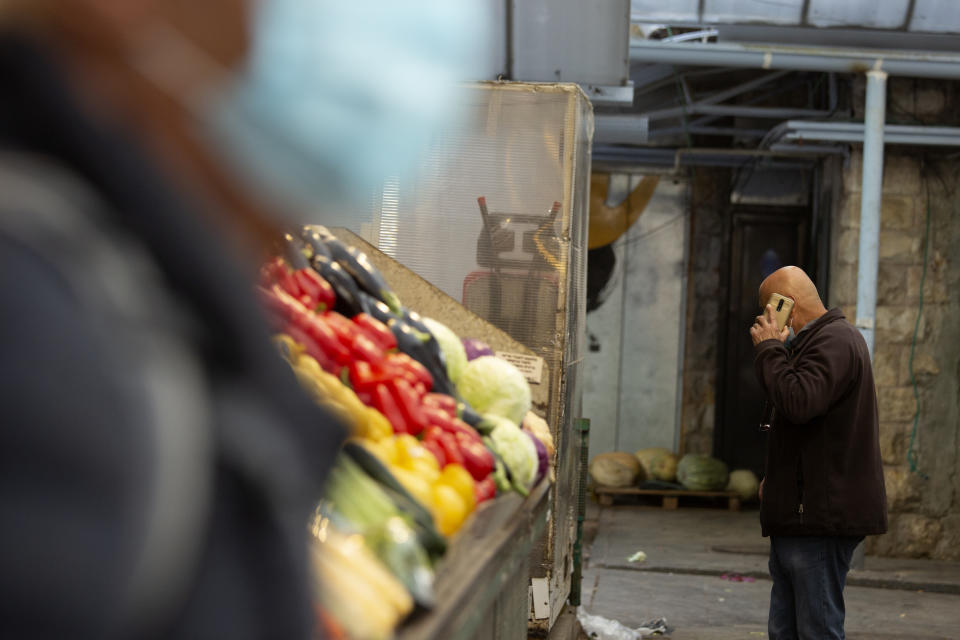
(870, 200)
(898, 63)
(871, 196)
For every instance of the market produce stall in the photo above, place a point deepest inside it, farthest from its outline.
(497, 221)
(438, 495)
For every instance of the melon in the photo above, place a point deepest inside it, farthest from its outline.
(615, 469)
(658, 463)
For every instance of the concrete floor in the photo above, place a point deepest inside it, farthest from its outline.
(691, 549)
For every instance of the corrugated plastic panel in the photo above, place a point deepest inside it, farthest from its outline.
(940, 16)
(865, 14)
(658, 11)
(783, 12)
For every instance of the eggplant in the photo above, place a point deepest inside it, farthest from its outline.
(376, 308)
(314, 239)
(292, 249)
(348, 301)
(358, 265)
(411, 342)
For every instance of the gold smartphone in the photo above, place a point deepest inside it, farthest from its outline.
(782, 306)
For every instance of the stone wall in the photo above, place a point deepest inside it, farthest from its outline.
(705, 299)
(924, 504)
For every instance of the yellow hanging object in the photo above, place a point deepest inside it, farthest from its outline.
(609, 223)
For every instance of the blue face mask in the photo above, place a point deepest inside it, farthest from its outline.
(338, 95)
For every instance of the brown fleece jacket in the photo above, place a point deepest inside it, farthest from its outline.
(823, 471)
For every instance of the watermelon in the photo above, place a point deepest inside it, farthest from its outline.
(702, 473)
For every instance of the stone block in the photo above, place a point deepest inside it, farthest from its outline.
(896, 403)
(935, 289)
(849, 312)
(925, 364)
(852, 172)
(849, 217)
(900, 94)
(899, 246)
(896, 324)
(893, 442)
(897, 212)
(929, 100)
(848, 246)
(901, 175)
(904, 489)
(949, 546)
(891, 284)
(886, 364)
(916, 536)
(843, 285)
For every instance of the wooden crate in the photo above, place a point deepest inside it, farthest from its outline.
(671, 497)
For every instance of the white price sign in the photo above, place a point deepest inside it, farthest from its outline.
(530, 366)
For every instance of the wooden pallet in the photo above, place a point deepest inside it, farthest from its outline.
(671, 497)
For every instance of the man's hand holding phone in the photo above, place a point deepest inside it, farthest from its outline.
(765, 327)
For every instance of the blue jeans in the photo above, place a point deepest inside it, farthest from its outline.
(809, 573)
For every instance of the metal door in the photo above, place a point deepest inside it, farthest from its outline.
(762, 241)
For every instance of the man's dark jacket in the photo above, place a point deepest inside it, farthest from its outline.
(824, 475)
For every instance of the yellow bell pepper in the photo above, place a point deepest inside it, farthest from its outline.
(456, 476)
(449, 509)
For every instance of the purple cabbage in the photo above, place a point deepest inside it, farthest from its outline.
(543, 460)
(476, 348)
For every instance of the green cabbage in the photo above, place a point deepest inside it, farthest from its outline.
(516, 449)
(452, 347)
(494, 386)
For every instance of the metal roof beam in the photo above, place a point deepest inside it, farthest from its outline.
(898, 63)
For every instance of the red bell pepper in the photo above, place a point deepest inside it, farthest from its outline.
(313, 285)
(365, 376)
(477, 459)
(345, 330)
(409, 403)
(438, 417)
(412, 367)
(363, 348)
(376, 331)
(442, 401)
(311, 348)
(434, 447)
(451, 448)
(324, 335)
(385, 403)
(421, 389)
(485, 489)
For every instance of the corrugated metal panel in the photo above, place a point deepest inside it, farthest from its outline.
(867, 14)
(777, 12)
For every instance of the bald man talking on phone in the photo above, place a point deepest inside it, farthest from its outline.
(823, 487)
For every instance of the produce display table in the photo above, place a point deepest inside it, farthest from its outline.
(483, 580)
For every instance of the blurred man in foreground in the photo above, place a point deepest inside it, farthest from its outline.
(157, 461)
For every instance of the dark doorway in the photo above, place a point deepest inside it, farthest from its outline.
(761, 241)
